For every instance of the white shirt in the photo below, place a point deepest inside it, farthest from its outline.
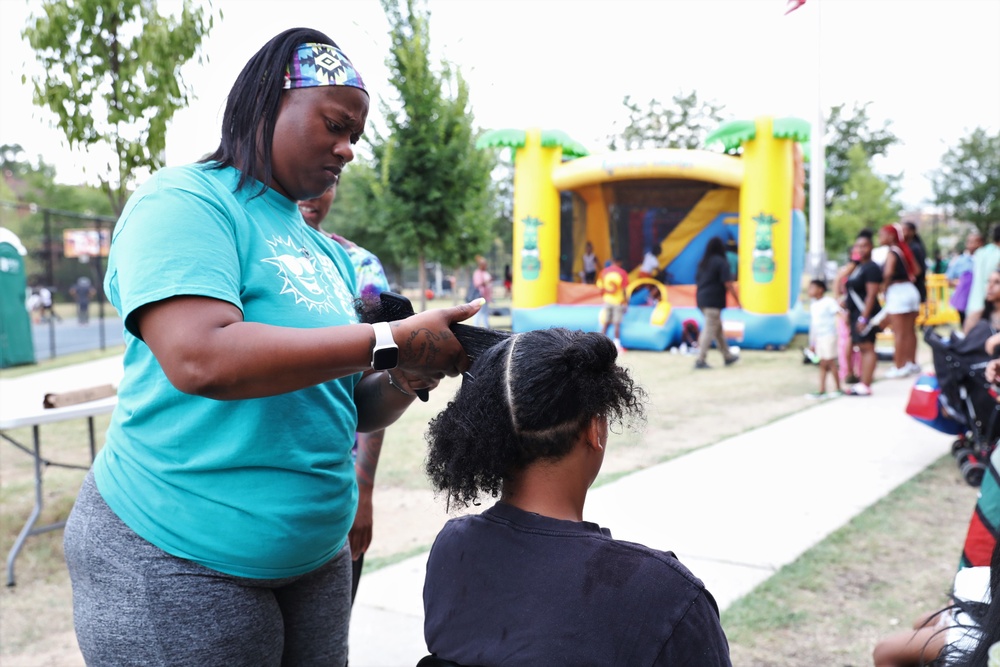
(650, 263)
(823, 317)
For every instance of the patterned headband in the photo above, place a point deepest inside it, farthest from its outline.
(315, 64)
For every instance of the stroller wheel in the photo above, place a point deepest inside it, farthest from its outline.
(972, 471)
(957, 445)
(961, 454)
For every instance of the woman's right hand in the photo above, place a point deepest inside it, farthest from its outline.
(991, 344)
(427, 347)
(992, 370)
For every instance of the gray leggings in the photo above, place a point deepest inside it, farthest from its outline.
(135, 604)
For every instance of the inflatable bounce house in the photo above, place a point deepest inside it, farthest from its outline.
(629, 203)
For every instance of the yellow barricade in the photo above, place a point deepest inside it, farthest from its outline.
(937, 310)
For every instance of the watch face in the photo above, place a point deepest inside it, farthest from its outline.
(385, 358)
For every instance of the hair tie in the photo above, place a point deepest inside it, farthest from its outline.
(314, 64)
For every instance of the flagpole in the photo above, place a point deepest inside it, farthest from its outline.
(817, 171)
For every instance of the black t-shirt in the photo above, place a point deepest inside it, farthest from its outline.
(857, 287)
(711, 279)
(900, 272)
(920, 255)
(508, 587)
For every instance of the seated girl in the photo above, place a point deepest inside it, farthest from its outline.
(528, 581)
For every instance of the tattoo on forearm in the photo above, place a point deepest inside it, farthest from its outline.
(369, 449)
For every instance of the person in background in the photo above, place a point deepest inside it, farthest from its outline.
(371, 281)
(849, 358)
(902, 300)
(862, 306)
(823, 314)
(529, 581)
(984, 261)
(733, 258)
(508, 280)
(714, 282)
(82, 292)
(48, 310)
(939, 264)
(212, 528)
(590, 264)
(959, 274)
(959, 635)
(651, 263)
(483, 282)
(689, 335)
(919, 252)
(613, 283)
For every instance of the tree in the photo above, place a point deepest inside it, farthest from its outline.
(432, 197)
(683, 124)
(867, 200)
(969, 180)
(844, 130)
(112, 77)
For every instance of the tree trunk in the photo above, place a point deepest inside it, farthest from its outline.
(422, 280)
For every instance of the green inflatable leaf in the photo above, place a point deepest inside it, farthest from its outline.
(570, 148)
(732, 134)
(506, 138)
(791, 128)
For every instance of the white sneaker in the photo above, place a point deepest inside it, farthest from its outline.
(896, 372)
(913, 368)
(859, 389)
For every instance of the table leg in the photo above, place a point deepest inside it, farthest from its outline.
(29, 528)
(35, 511)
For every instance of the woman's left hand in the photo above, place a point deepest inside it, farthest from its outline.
(411, 383)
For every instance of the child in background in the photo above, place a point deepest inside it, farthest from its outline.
(849, 356)
(613, 282)
(823, 337)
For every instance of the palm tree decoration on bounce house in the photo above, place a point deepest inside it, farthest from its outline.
(767, 199)
(671, 199)
(536, 203)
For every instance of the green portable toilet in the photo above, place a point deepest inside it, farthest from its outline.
(16, 346)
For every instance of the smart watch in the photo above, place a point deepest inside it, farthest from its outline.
(385, 354)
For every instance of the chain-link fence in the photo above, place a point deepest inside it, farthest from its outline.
(65, 264)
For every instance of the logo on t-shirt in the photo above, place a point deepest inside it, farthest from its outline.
(313, 279)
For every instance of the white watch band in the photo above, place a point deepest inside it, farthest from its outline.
(383, 334)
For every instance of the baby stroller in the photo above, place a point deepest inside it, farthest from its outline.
(966, 403)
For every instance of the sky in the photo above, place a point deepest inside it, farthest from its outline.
(931, 67)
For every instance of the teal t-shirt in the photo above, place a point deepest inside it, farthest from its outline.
(984, 262)
(260, 488)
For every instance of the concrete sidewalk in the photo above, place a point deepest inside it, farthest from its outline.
(734, 512)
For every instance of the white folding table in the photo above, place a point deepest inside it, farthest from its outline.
(35, 418)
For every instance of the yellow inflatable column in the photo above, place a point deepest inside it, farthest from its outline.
(536, 224)
(765, 249)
